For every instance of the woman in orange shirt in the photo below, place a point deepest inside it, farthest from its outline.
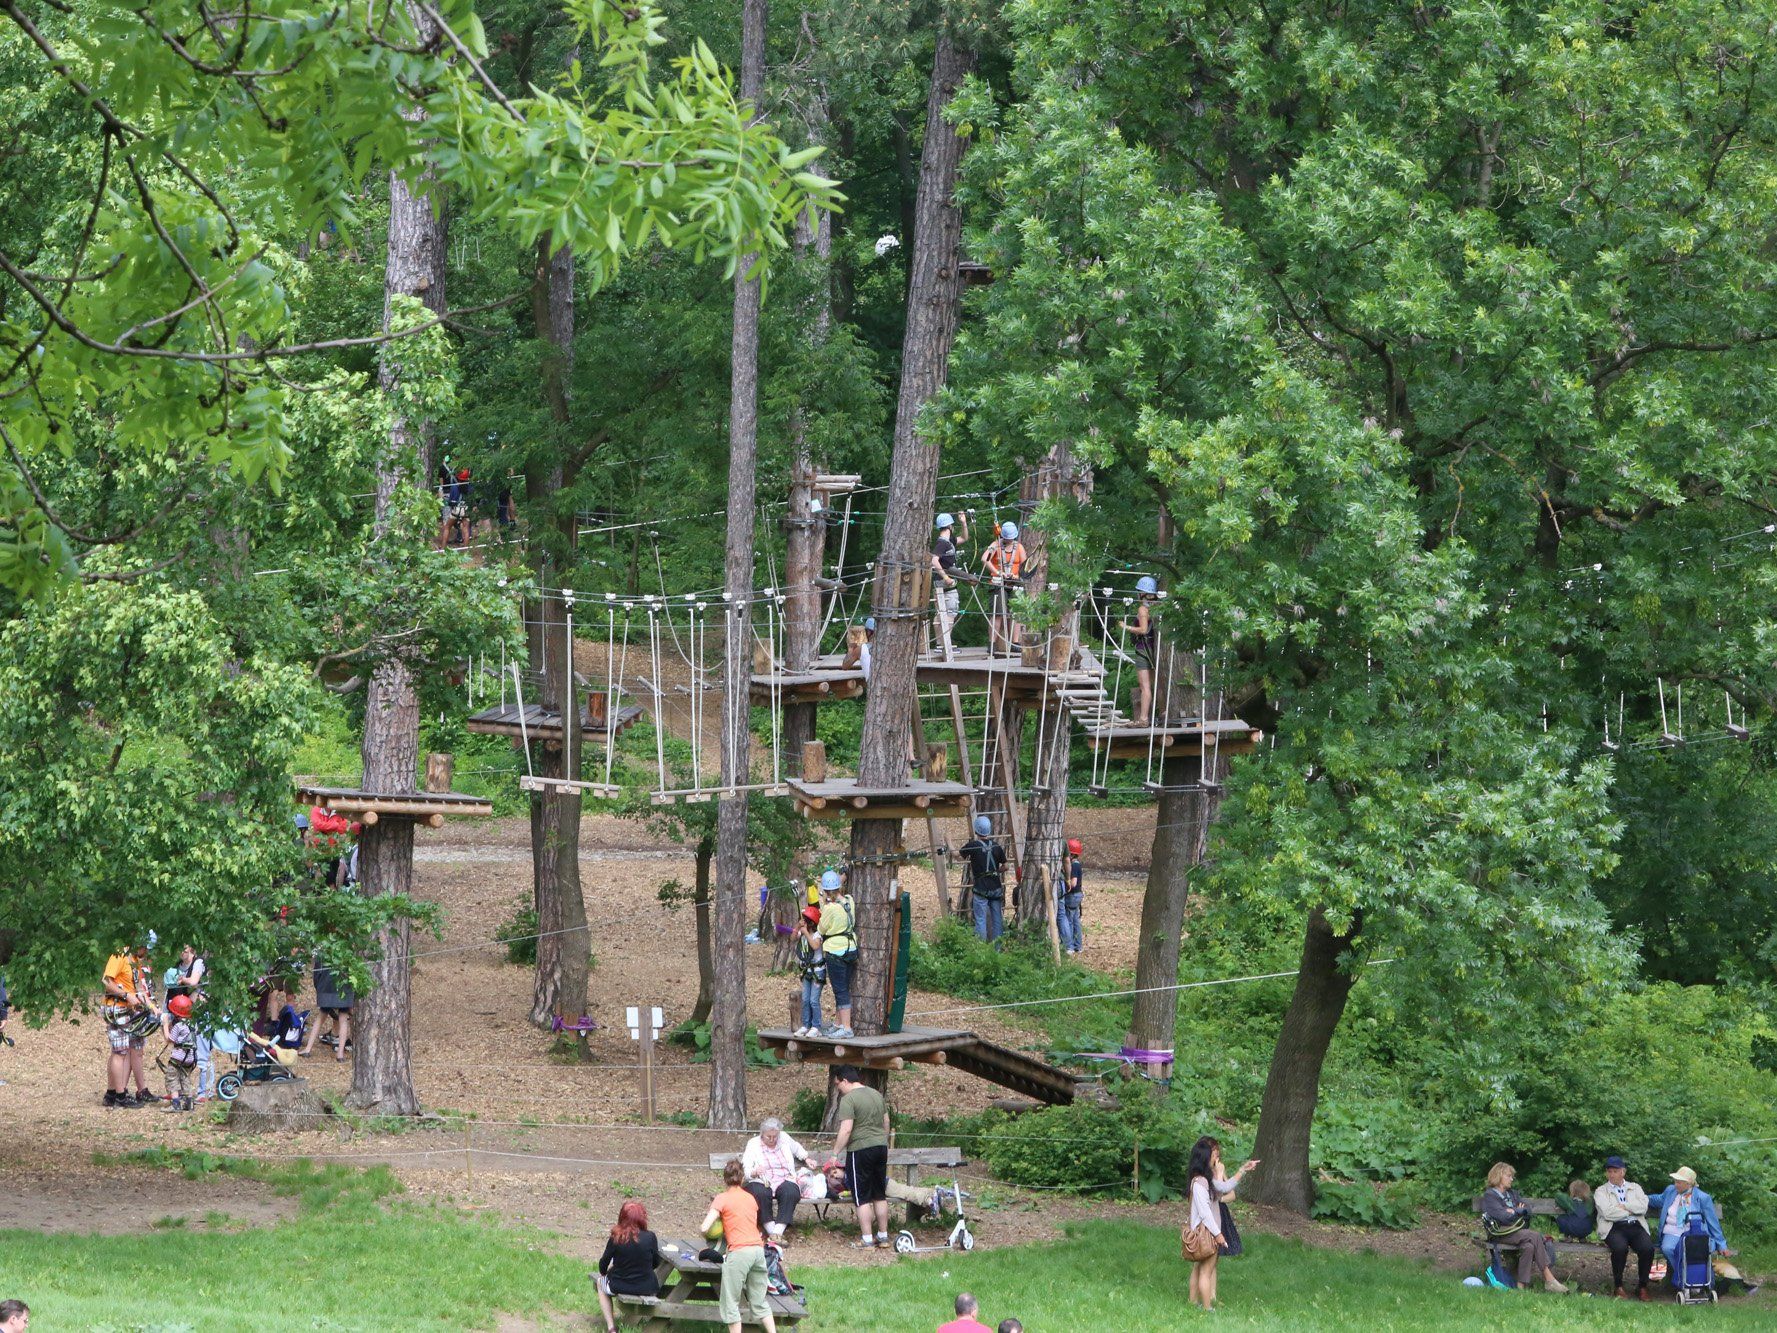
(1004, 563)
(743, 1267)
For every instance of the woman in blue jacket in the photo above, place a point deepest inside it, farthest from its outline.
(1674, 1205)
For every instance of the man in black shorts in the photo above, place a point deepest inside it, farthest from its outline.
(863, 1128)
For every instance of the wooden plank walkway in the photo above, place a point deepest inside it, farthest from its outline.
(965, 1051)
(1173, 740)
(542, 724)
(844, 798)
(429, 807)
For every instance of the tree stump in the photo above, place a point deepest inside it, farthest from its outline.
(814, 761)
(440, 766)
(287, 1107)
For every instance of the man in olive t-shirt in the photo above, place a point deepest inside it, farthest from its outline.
(863, 1128)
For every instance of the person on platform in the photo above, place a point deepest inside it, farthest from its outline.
(745, 1278)
(1004, 562)
(945, 597)
(811, 962)
(862, 1142)
(839, 946)
(987, 865)
(1144, 647)
(1621, 1206)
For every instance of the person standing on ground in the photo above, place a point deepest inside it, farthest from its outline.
(335, 1001)
(1205, 1166)
(965, 1322)
(5, 1013)
(839, 946)
(1004, 563)
(987, 889)
(15, 1317)
(1621, 1206)
(862, 1143)
(626, 1268)
(811, 961)
(175, 1026)
(129, 1002)
(744, 1274)
(1070, 892)
(945, 596)
(1144, 647)
(189, 982)
(1675, 1204)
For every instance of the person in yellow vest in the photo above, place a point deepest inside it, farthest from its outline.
(839, 945)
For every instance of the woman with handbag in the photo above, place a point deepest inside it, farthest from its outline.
(1201, 1240)
(1505, 1217)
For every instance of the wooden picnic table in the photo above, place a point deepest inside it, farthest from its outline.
(690, 1289)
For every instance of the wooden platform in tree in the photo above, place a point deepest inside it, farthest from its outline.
(826, 679)
(843, 798)
(544, 724)
(428, 807)
(965, 1051)
(978, 669)
(1174, 740)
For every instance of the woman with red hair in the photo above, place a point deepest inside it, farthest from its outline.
(627, 1266)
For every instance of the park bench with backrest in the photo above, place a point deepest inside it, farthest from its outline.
(909, 1160)
(690, 1289)
(1554, 1208)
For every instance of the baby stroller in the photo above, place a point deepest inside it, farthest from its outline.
(257, 1059)
(1694, 1272)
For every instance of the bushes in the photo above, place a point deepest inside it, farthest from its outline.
(520, 933)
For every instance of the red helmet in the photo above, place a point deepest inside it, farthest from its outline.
(812, 915)
(180, 1005)
(462, 474)
(1073, 846)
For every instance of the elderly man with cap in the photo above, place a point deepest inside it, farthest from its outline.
(839, 946)
(1622, 1225)
(1675, 1204)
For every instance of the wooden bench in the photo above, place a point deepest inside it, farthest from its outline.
(1554, 1208)
(909, 1160)
(690, 1290)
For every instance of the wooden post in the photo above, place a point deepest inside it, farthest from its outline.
(940, 860)
(814, 761)
(440, 767)
(648, 1072)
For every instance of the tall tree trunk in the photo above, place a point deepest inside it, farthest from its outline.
(382, 1071)
(728, 1028)
(561, 981)
(700, 909)
(1286, 1114)
(1181, 840)
(1045, 824)
(933, 310)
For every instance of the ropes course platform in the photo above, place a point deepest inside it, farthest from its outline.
(826, 679)
(964, 1051)
(544, 724)
(1173, 740)
(428, 807)
(843, 798)
(977, 668)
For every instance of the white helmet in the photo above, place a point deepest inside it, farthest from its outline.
(1009, 532)
(944, 521)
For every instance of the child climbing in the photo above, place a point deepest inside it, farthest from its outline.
(945, 575)
(1004, 563)
(1069, 891)
(812, 962)
(1144, 637)
(987, 863)
(839, 946)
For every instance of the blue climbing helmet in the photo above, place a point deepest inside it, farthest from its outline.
(944, 521)
(830, 881)
(983, 826)
(870, 624)
(1008, 531)
(1146, 585)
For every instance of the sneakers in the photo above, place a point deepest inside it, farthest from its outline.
(111, 1099)
(146, 1098)
(843, 1034)
(831, 1031)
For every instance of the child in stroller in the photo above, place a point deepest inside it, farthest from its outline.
(263, 1056)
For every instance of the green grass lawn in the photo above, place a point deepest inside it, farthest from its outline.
(354, 1258)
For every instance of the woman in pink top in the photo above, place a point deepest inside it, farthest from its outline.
(1202, 1176)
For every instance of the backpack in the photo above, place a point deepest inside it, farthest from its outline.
(777, 1280)
(1498, 1276)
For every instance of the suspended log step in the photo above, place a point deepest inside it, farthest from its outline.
(1175, 739)
(843, 798)
(960, 1050)
(426, 807)
(544, 724)
(819, 684)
